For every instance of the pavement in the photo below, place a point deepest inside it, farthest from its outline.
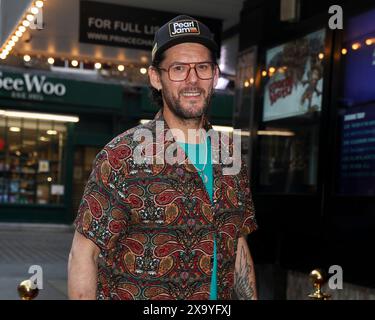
(25, 245)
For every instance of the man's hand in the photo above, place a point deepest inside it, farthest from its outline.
(244, 273)
(82, 268)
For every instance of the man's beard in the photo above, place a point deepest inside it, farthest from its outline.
(191, 112)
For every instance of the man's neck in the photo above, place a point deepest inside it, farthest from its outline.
(184, 125)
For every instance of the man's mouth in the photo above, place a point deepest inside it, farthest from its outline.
(191, 93)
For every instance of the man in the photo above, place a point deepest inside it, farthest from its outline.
(157, 230)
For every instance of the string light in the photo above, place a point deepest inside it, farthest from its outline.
(356, 46)
(21, 27)
(251, 80)
(39, 4)
(246, 84)
(84, 64)
(34, 10)
(344, 51)
(321, 56)
(30, 17)
(369, 42)
(264, 73)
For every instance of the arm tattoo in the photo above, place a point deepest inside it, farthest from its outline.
(243, 286)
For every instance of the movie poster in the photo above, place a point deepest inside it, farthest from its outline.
(295, 77)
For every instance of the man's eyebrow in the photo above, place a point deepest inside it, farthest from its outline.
(191, 62)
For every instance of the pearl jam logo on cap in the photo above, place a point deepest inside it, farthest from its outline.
(183, 27)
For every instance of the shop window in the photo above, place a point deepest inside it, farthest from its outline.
(288, 157)
(32, 158)
(287, 154)
(356, 115)
(84, 157)
(244, 99)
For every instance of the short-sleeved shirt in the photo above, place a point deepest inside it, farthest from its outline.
(155, 223)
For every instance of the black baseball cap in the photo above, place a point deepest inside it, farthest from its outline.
(179, 30)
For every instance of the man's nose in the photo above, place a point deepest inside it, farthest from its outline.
(192, 76)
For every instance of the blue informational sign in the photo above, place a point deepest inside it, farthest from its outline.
(357, 161)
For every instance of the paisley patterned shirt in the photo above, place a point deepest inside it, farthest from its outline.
(155, 223)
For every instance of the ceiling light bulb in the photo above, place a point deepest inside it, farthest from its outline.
(98, 65)
(74, 63)
(51, 60)
(143, 70)
(34, 10)
(120, 68)
(26, 58)
(39, 4)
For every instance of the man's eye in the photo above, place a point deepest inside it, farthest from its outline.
(178, 68)
(203, 66)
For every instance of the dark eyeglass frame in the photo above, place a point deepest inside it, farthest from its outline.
(213, 65)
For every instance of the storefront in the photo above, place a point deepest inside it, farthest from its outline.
(50, 131)
(309, 107)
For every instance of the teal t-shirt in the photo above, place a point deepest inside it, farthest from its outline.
(200, 157)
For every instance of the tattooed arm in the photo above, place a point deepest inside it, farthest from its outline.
(244, 273)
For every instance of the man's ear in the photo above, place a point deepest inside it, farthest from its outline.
(154, 77)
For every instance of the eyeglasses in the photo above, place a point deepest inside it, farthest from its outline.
(180, 71)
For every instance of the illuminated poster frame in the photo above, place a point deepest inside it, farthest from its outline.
(294, 83)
